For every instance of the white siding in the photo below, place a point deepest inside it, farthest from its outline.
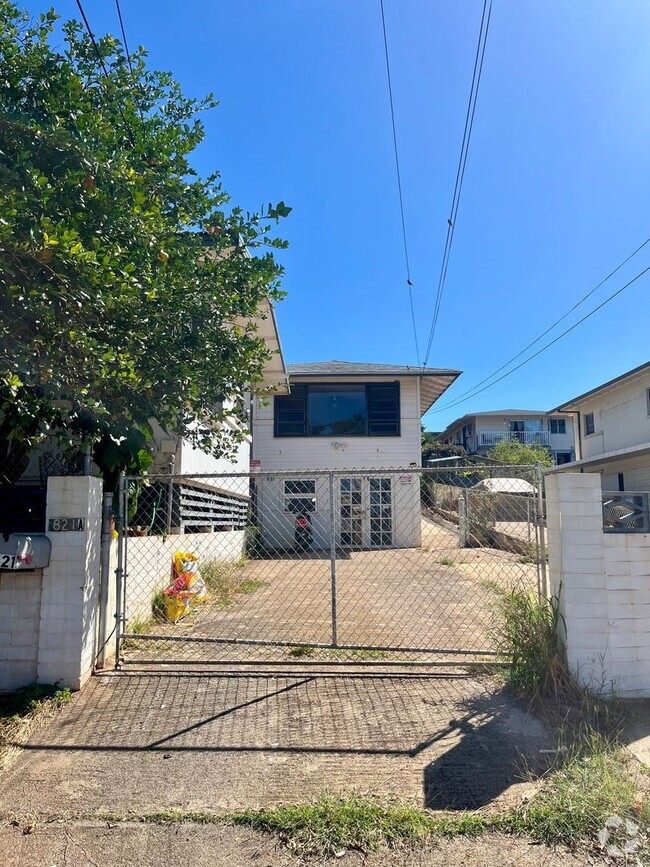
(620, 416)
(335, 453)
(338, 453)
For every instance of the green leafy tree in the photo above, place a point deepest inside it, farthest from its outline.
(127, 289)
(431, 448)
(514, 453)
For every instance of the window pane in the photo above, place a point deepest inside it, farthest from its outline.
(337, 410)
(383, 410)
(299, 504)
(300, 486)
(290, 412)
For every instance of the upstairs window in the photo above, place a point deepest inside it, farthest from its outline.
(345, 410)
(590, 427)
(557, 425)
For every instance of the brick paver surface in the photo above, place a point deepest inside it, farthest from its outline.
(148, 740)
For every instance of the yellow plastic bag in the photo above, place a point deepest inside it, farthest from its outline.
(175, 607)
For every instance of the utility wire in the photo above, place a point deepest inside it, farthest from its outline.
(471, 391)
(409, 283)
(550, 343)
(103, 66)
(126, 45)
(462, 162)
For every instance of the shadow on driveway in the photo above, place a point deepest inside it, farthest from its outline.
(150, 740)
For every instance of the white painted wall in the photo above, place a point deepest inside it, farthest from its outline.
(620, 416)
(48, 618)
(603, 580)
(149, 563)
(337, 453)
(278, 527)
(320, 453)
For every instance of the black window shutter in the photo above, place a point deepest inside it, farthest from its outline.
(383, 410)
(290, 413)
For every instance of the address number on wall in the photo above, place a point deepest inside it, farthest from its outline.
(60, 525)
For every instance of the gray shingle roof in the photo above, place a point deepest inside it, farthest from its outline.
(434, 381)
(360, 368)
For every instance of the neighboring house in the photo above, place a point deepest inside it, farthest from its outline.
(215, 503)
(344, 416)
(478, 432)
(612, 430)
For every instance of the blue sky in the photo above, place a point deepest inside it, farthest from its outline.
(556, 194)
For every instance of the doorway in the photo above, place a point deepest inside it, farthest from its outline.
(365, 512)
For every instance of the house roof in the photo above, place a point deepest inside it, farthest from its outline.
(574, 400)
(640, 450)
(434, 381)
(507, 412)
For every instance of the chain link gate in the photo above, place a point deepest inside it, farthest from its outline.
(390, 567)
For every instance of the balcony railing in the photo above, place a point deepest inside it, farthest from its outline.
(528, 437)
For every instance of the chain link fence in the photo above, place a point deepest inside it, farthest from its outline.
(372, 566)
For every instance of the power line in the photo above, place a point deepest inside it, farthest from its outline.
(550, 343)
(471, 391)
(103, 66)
(409, 283)
(462, 162)
(126, 45)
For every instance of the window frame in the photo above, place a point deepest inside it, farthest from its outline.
(647, 401)
(368, 388)
(556, 422)
(310, 497)
(589, 416)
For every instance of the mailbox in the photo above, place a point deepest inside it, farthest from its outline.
(24, 551)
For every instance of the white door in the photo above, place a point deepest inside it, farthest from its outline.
(365, 512)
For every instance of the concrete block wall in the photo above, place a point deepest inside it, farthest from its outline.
(20, 610)
(48, 618)
(603, 580)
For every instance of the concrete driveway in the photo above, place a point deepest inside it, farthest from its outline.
(438, 598)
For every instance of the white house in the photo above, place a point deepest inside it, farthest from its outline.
(343, 416)
(478, 432)
(612, 431)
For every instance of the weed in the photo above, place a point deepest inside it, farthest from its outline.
(526, 560)
(591, 784)
(526, 635)
(300, 650)
(333, 824)
(446, 561)
(158, 606)
(225, 582)
(250, 585)
(20, 710)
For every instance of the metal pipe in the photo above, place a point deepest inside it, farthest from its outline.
(104, 578)
(542, 540)
(170, 494)
(263, 642)
(119, 572)
(333, 560)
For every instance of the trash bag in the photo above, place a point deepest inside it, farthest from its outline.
(186, 589)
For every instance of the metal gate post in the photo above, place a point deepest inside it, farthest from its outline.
(333, 559)
(540, 521)
(120, 571)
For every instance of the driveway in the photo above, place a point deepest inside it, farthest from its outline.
(151, 740)
(437, 599)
